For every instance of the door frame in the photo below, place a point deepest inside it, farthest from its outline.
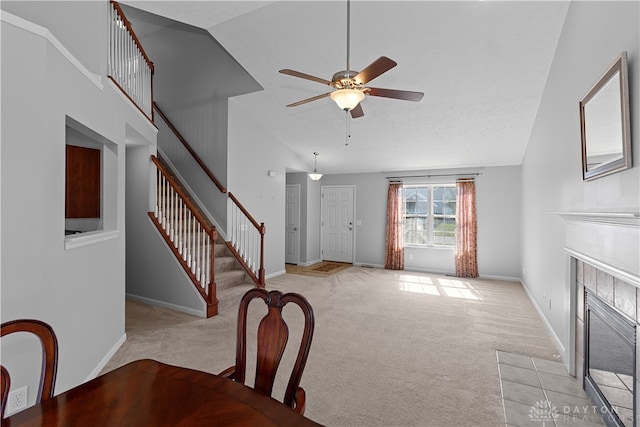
(298, 186)
(353, 237)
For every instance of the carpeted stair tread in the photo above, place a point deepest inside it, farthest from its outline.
(224, 263)
(229, 279)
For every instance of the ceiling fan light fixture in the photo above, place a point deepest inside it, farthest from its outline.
(347, 99)
(315, 175)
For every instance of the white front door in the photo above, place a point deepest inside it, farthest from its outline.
(337, 223)
(292, 227)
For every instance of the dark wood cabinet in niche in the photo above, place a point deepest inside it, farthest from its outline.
(83, 172)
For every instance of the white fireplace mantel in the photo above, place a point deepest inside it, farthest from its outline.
(608, 240)
(631, 219)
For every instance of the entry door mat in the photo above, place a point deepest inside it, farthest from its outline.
(320, 269)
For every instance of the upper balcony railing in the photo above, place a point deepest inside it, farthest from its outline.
(129, 66)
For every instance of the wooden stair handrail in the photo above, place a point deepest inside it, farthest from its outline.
(259, 280)
(190, 150)
(210, 230)
(149, 115)
(133, 34)
(211, 299)
(124, 92)
(246, 212)
(204, 221)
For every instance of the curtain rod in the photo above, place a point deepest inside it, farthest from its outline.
(461, 175)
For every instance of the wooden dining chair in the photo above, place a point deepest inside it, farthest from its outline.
(272, 337)
(49, 368)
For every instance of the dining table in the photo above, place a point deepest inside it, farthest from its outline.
(150, 393)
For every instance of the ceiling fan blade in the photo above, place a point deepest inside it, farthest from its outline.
(314, 98)
(373, 70)
(357, 111)
(305, 76)
(404, 95)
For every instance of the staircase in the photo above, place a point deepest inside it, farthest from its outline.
(229, 278)
(221, 271)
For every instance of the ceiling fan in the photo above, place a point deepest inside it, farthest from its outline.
(350, 86)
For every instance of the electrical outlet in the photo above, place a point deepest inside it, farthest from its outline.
(17, 400)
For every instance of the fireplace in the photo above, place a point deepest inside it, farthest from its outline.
(610, 361)
(603, 253)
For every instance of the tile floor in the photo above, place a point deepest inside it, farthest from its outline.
(540, 393)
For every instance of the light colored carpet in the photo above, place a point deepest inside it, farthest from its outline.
(391, 348)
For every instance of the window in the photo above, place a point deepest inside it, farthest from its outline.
(430, 215)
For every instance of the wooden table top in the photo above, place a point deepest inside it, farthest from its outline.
(150, 393)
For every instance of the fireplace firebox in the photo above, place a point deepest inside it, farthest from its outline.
(610, 361)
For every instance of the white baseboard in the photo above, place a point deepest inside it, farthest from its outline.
(157, 303)
(368, 265)
(308, 263)
(277, 273)
(556, 341)
(505, 278)
(96, 371)
(429, 270)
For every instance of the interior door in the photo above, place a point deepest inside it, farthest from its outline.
(337, 223)
(292, 227)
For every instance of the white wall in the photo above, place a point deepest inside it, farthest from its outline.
(593, 35)
(79, 291)
(252, 152)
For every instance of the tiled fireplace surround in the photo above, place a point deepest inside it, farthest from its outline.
(603, 255)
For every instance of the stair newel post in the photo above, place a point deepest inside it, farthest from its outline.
(213, 237)
(261, 274)
(211, 291)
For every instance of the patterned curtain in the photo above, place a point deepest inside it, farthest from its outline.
(466, 230)
(394, 253)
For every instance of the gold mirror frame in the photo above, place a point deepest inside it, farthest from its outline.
(605, 123)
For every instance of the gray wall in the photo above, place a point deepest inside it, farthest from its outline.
(79, 291)
(66, 20)
(593, 35)
(371, 210)
(194, 77)
(498, 212)
(252, 153)
(153, 274)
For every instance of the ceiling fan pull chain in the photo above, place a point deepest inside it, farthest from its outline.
(348, 133)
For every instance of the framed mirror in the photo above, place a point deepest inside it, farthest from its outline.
(605, 123)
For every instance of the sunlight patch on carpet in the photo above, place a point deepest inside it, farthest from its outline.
(453, 288)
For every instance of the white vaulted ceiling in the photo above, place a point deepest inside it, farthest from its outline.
(482, 66)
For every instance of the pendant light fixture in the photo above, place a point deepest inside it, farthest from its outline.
(315, 175)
